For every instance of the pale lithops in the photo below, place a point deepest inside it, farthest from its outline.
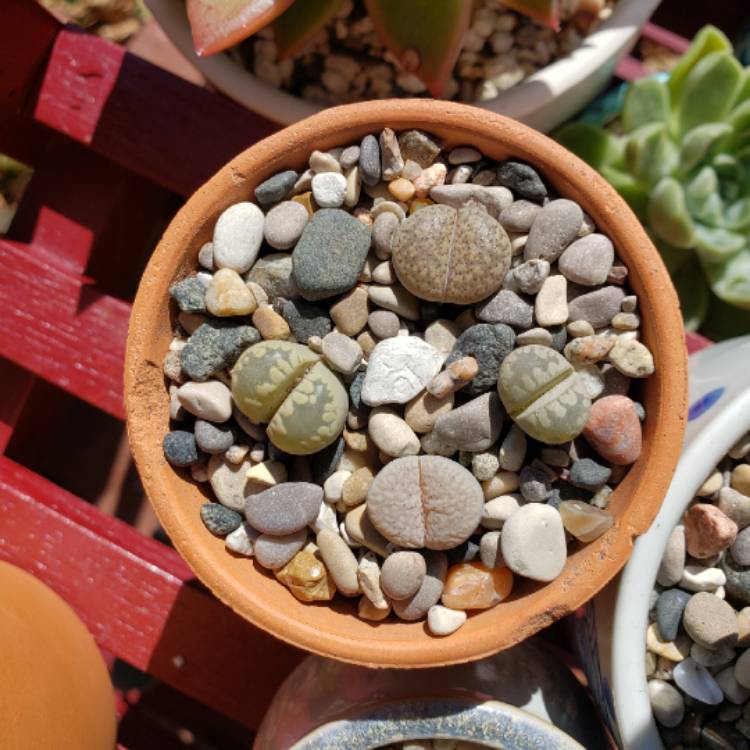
(445, 254)
(287, 385)
(543, 394)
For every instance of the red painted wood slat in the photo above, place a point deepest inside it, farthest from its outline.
(139, 610)
(16, 385)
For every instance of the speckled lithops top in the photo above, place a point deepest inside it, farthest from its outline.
(404, 382)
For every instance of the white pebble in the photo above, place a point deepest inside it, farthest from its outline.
(238, 235)
(329, 189)
(697, 578)
(498, 510)
(533, 542)
(443, 620)
(211, 400)
(242, 540)
(333, 486)
(391, 434)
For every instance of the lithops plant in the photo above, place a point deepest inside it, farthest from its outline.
(679, 153)
(425, 36)
(287, 386)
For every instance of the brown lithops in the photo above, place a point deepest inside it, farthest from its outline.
(444, 254)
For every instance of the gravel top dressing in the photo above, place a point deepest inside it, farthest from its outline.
(403, 376)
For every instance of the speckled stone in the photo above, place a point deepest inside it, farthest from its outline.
(673, 558)
(220, 520)
(519, 216)
(285, 508)
(402, 574)
(710, 621)
(369, 160)
(597, 307)
(213, 438)
(587, 474)
(419, 147)
(669, 608)
(529, 276)
(275, 188)
(614, 430)
(535, 483)
(284, 224)
(738, 579)
(489, 344)
(383, 323)
(587, 261)
(180, 448)
(330, 254)
(507, 307)
(189, 294)
(474, 426)
(383, 233)
(350, 312)
(274, 552)
(214, 346)
(306, 319)
(416, 607)
(273, 273)
(554, 228)
(522, 179)
(735, 505)
(708, 531)
(495, 199)
(740, 549)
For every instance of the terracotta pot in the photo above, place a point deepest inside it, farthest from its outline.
(54, 685)
(333, 630)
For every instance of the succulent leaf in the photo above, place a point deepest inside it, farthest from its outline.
(730, 280)
(698, 142)
(692, 290)
(634, 193)
(424, 35)
(544, 11)
(218, 24)
(716, 244)
(646, 101)
(737, 215)
(294, 28)
(592, 144)
(668, 214)
(650, 154)
(709, 39)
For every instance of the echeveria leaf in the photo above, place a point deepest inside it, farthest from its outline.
(544, 11)
(702, 185)
(728, 168)
(635, 194)
(650, 154)
(715, 244)
(674, 257)
(218, 24)
(737, 216)
(698, 142)
(294, 28)
(593, 144)
(739, 119)
(668, 214)
(709, 39)
(693, 292)
(424, 35)
(646, 101)
(710, 91)
(730, 280)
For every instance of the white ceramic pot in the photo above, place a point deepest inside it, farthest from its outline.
(544, 100)
(611, 632)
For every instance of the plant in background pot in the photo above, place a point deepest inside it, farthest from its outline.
(679, 153)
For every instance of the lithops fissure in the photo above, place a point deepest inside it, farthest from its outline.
(543, 394)
(444, 254)
(287, 386)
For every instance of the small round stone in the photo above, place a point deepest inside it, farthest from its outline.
(322, 161)
(392, 434)
(632, 358)
(519, 216)
(710, 621)
(395, 298)
(384, 324)
(507, 307)
(533, 542)
(369, 160)
(383, 232)
(270, 324)
(673, 558)
(238, 235)
(484, 466)
(340, 561)
(589, 475)
(551, 305)
(416, 607)
(513, 449)
(667, 703)
(669, 608)
(587, 261)
(530, 276)
(740, 549)
(402, 574)
(740, 480)
(423, 411)
(522, 179)
(342, 353)
(285, 508)
(425, 501)
(329, 189)
(535, 483)
(614, 430)
(213, 438)
(284, 224)
(206, 256)
(708, 530)
(554, 228)
(499, 509)
(180, 448)
(443, 621)
(736, 505)
(219, 520)
(490, 550)
(274, 552)
(742, 669)
(211, 400)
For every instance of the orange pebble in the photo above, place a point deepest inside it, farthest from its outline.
(473, 586)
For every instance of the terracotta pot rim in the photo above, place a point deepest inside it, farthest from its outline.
(323, 629)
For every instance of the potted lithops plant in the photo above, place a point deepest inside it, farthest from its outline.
(258, 381)
(678, 154)
(307, 55)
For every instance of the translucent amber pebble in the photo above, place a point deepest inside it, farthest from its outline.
(585, 522)
(286, 385)
(307, 578)
(472, 586)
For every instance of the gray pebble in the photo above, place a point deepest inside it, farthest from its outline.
(519, 216)
(369, 160)
(587, 261)
(355, 390)
(507, 307)
(534, 484)
(597, 307)
(383, 323)
(220, 520)
(402, 574)
(513, 449)
(587, 474)
(180, 448)
(273, 273)
(189, 294)
(559, 337)
(673, 558)
(615, 382)
(330, 254)
(522, 180)
(667, 703)
(415, 608)
(306, 319)
(349, 157)
(206, 256)
(489, 344)
(738, 579)
(275, 552)
(419, 147)
(284, 508)
(740, 550)
(475, 426)
(383, 230)
(213, 438)
(710, 622)
(275, 188)
(284, 224)
(490, 550)
(210, 400)
(554, 228)
(669, 608)
(735, 505)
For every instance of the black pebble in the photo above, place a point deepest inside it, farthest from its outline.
(180, 448)
(306, 319)
(220, 520)
(369, 160)
(522, 179)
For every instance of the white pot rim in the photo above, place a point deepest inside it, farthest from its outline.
(598, 51)
(708, 439)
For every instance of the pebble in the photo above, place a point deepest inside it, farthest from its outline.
(475, 426)
(402, 574)
(392, 434)
(369, 160)
(423, 411)
(276, 188)
(368, 576)
(719, 736)
(543, 394)
(614, 430)
(597, 307)
(350, 312)
(307, 578)
(419, 147)
(270, 324)
(220, 520)
(530, 276)
(711, 659)
(213, 347)
(737, 579)
(588, 350)
(267, 473)
(742, 669)
(708, 531)
(384, 274)
(228, 295)
(533, 542)
(733, 691)
(229, 482)
(273, 273)
(584, 521)
(391, 161)
(523, 180)
(329, 189)
(368, 611)
(471, 586)
(274, 552)
(306, 319)
(401, 189)
(551, 306)
(502, 483)
(740, 549)
(330, 254)
(383, 231)
(443, 621)
(587, 261)
(580, 328)
(398, 369)
(189, 294)
(360, 528)
(463, 155)
(321, 162)
(285, 508)
(242, 540)
(632, 358)
(669, 608)
(676, 650)
(238, 235)
(507, 307)
(213, 438)
(535, 483)
(666, 703)
(519, 216)
(673, 558)
(206, 256)
(416, 607)
(710, 621)
(384, 324)
(442, 334)
(406, 486)
(326, 518)
(340, 561)
(489, 344)
(484, 466)
(587, 474)
(698, 578)
(538, 336)
(349, 157)
(284, 224)
(333, 486)
(451, 255)
(697, 682)
(554, 228)
(513, 449)
(626, 322)
(494, 199)
(396, 299)
(180, 448)
(211, 400)
(498, 510)
(735, 505)
(490, 550)
(431, 177)
(342, 353)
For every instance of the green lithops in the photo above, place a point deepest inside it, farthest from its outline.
(444, 254)
(543, 394)
(287, 386)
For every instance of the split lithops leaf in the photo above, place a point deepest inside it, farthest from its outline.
(218, 24)
(294, 28)
(544, 11)
(646, 101)
(424, 35)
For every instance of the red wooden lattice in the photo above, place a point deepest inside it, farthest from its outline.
(115, 143)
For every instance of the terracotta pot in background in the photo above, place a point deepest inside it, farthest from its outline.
(334, 630)
(55, 690)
